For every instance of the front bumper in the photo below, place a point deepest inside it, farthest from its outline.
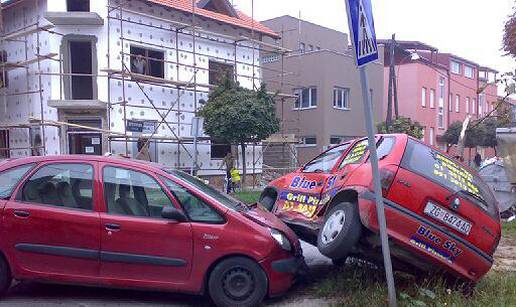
(282, 272)
(294, 265)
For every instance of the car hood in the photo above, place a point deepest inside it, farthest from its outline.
(260, 215)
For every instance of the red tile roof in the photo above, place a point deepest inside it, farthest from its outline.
(243, 21)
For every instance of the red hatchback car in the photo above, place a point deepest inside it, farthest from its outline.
(440, 214)
(123, 223)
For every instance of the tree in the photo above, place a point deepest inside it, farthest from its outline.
(239, 116)
(452, 134)
(402, 125)
(509, 37)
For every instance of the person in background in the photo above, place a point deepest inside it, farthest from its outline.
(143, 150)
(36, 150)
(477, 160)
(139, 65)
(235, 179)
(229, 163)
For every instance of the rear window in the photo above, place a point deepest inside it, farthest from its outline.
(444, 171)
(10, 178)
(325, 162)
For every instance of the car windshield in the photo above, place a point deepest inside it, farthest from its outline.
(325, 162)
(222, 198)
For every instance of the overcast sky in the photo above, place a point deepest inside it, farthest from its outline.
(471, 29)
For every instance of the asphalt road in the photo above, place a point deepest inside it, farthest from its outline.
(46, 295)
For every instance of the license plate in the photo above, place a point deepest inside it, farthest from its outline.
(447, 217)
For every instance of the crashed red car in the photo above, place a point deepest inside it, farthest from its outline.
(440, 215)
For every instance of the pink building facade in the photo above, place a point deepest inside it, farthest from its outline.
(437, 89)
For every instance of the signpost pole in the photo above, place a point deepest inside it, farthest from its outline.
(363, 37)
(380, 210)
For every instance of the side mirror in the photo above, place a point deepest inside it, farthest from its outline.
(172, 213)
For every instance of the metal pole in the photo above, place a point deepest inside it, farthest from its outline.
(380, 210)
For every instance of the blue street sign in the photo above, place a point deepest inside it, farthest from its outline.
(360, 17)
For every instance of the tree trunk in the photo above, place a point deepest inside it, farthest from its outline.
(243, 164)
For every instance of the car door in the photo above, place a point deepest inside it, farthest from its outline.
(139, 247)
(50, 226)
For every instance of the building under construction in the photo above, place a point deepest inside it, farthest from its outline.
(90, 77)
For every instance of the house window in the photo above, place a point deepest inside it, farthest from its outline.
(336, 139)
(219, 149)
(450, 102)
(78, 5)
(147, 62)
(432, 98)
(423, 97)
(4, 80)
(481, 98)
(219, 71)
(440, 117)
(423, 133)
(431, 136)
(307, 141)
(306, 98)
(457, 103)
(302, 47)
(441, 88)
(473, 108)
(468, 71)
(341, 98)
(467, 105)
(455, 67)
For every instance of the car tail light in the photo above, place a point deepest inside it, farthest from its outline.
(387, 174)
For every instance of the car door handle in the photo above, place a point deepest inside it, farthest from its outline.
(112, 227)
(21, 213)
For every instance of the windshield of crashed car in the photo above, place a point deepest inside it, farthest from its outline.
(325, 162)
(206, 189)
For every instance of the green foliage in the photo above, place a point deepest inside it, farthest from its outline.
(451, 135)
(402, 125)
(248, 197)
(509, 36)
(238, 115)
(357, 284)
(478, 133)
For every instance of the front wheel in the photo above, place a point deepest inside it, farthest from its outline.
(237, 281)
(5, 276)
(340, 232)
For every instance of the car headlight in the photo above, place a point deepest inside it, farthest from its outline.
(281, 239)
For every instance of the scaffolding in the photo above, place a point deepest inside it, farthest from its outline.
(117, 14)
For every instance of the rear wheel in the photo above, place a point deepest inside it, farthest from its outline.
(237, 281)
(5, 276)
(340, 231)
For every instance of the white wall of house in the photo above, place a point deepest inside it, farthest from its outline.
(150, 33)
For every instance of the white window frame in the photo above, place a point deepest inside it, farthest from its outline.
(440, 117)
(455, 67)
(340, 137)
(311, 103)
(431, 136)
(450, 103)
(473, 106)
(467, 105)
(343, 92)
(423, 96)
(302, 141)
(432, 98)
(457, 103)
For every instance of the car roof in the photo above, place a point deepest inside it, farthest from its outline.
(85, 158)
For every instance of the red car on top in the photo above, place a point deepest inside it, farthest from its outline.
(122, 223)
(440, 214)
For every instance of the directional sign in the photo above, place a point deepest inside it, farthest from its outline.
(362, 31)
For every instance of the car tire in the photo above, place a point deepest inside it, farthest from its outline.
(340, 231)
(237, 281)
(5, 276)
